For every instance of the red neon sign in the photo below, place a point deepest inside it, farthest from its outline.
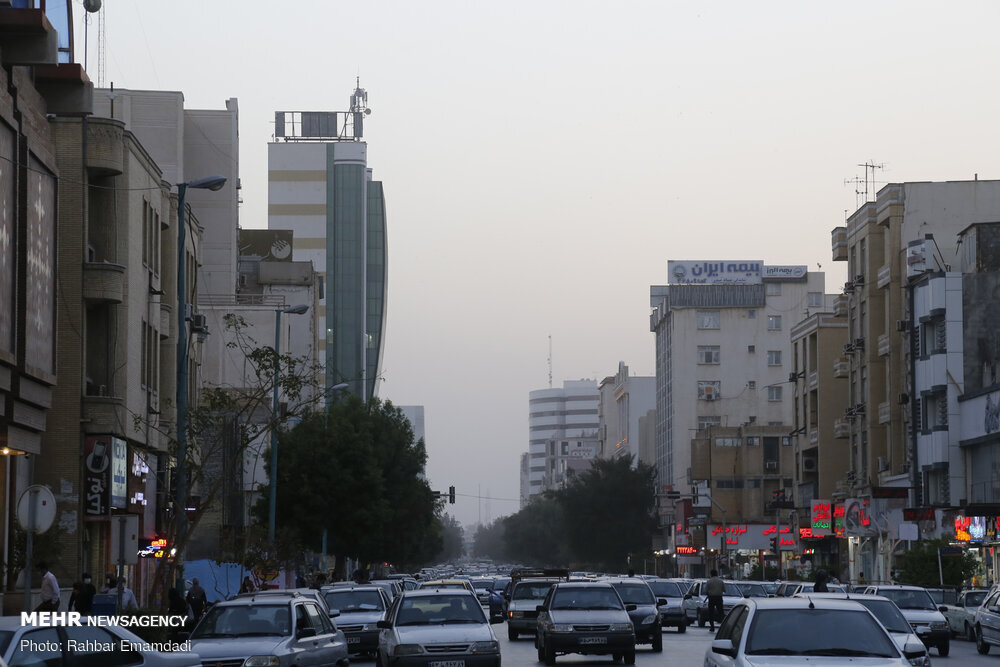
(687, 550)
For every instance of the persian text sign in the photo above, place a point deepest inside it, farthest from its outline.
(822, 518)
(96, 477)
(749, 536)
(714, 273)
(782, 272)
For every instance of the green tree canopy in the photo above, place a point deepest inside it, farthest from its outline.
(357, 472)
(919, 565)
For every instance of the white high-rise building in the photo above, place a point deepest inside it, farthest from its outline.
(723, 351)
(562, 429)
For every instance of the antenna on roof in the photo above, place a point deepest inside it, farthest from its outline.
(550, 361)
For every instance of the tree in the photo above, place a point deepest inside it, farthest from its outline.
(537, 534)
(615, 502)
(356, 471)
(489, 541)
(225, 423)
(452, 539)
(919, 565)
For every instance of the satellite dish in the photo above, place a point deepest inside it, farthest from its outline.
(45, 508)
(92, 5)
(368, 112)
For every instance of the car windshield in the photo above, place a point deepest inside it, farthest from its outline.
(351, 601)
(909, 599)
(771, 587)
(888, 615)
(975, 599)
(531, 590)
(734, 590)
(819, 632)
(257, 620)
(483, 585)
(666, 589)
(574, 597)
(753, 590)
(439, 610)
(635, 593)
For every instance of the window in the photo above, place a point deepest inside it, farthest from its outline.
(708, 319)
(772, 289)
(774, 393)
(706, 421)
(774, 322)
(708, 354)
(751, 349)
(708, 390)
(753, 483)
(753, 441)
(728, 442)
(729, 483)
(814, 299)
(774, 357)
(786, 441)
(752, 384)
(751, 314)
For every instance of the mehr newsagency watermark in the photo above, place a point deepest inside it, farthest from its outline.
(51, 619)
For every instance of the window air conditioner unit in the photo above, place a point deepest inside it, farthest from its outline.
(770, 465)
(848, 348)
(809, 464)
(882, 463)
(859, 343)
(199, 322)
(903, 398)
(243, 280)
(848, 288)
(859, 279)
(859, 409)
(902, 325)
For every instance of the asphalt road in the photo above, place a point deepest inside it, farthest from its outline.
(686, 649)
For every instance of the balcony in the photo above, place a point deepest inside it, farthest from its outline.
(841, 428)
(884, 277)
(839, 242)
(104, 414)
(105, 146)
(813, 379)
(841, 303)
(167, 324)
(104, 282)
(883, 345)
(813, 436)
(884, 412)
(841, 368)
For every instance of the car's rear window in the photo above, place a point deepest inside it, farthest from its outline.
(257, 620)
(818, 632)
(350, 601)
(530, 590)
(666, 589)
(439, 610)
(635, 593)
(589, 598)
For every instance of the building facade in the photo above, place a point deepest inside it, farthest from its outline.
(625, 399)
(562, 433)
(320, 187)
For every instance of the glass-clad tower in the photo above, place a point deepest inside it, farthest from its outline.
(320, 187)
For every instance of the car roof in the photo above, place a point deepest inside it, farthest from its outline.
(583, 584)
(435, 592)
(802, 603)
(897, 587)
(627, 580)
(834, 595)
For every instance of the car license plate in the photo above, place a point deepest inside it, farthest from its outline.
(447, 663)
(593, 640)
(354, 640)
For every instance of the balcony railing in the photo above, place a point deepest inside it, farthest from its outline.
(884, 412)
(884, 276)
(839, 243)
(840, 305)
(841, 368)
(883, 345)
(841, 428)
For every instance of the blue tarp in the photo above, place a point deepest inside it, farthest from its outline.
(222, 581)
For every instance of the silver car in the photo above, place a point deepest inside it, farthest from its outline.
(793, 631)
(359, 609)
(437, 627)
(269, 630)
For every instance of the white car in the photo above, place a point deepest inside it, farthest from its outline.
(887, 613)
(921, 613)
(29, 645)
(428, 626)
(791, 631)
(962, 615)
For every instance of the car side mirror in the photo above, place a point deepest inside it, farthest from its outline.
(301, 633)
(383, 625)
(630, 607)
(914, 649)
(724, 647)
(942, 609)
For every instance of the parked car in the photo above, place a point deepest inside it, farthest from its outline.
(646, 621)
(312, 593)
(360, 608)
(671, 593)
(269, 629)
(528, 589)
(789, 588)
(22, 645)
(587, 618)
(962, 615)
(921, 613)
(789, 631)
(437, 626)
(887, 613)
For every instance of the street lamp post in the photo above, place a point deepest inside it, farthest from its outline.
(213, 183)
(273, 505)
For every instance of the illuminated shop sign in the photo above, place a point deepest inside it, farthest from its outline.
(687, 550)
(822, 518)
(714, 273)
(749, 536)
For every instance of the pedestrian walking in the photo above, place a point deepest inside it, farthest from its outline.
(50, 589)
(197, 599)
(715, 588)
(821, 579)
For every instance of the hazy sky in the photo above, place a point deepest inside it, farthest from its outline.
(543, 160)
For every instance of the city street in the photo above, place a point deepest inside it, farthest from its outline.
(686, 649)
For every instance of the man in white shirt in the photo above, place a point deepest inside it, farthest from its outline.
(128, 597)
(50, 589)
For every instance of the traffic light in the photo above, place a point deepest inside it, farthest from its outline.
(451, 495)
(774, 544)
